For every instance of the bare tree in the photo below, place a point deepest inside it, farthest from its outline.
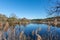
(55, 10)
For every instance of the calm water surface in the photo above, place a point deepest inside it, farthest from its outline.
(45, 33)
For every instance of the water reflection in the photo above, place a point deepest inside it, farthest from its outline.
(31, 32)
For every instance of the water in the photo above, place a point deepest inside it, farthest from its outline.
(52, 33)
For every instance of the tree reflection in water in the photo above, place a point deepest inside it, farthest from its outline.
(19, 33)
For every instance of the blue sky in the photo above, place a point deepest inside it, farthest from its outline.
(31, 9)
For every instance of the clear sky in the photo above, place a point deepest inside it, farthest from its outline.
(24, 8)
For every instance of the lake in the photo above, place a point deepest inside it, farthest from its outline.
(45, 31)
